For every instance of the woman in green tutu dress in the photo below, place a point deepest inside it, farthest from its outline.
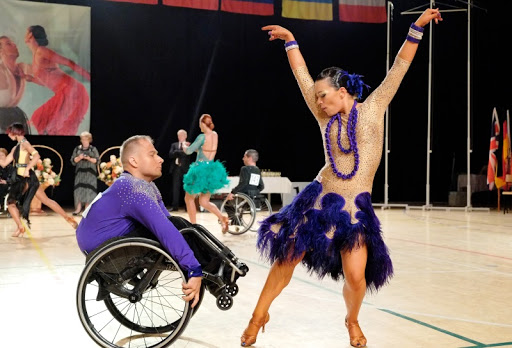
(205, 175)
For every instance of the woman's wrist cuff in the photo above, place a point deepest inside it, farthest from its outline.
(290, 45)
(418, 28)
(415, 33)
(412, 39)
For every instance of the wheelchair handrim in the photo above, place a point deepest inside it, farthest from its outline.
(82, 309)
(242, 226)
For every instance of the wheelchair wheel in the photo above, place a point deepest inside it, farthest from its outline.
(241, 213)
(224, 302)
(130, 295)
(231, 289)
(263, 211)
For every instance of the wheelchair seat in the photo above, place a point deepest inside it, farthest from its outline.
(130, 291)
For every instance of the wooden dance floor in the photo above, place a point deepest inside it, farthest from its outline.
(452, 288)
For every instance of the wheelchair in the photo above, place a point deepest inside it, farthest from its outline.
(130, 291)
(244, 210)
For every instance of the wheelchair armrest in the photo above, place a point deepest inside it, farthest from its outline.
(179, 222)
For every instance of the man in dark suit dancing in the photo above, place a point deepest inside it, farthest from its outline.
(180, 163)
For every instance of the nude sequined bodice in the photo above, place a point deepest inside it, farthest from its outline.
(369, 135)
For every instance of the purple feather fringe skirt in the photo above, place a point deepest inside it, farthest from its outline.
(323, 233)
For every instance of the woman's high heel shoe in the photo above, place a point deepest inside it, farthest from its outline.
(224, 222)
(356, 335)
(19, 232)
(251, 332)
(72, 222)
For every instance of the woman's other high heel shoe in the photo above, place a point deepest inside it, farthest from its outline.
(356, 335)
(224, 222)
(19, 232)
(251, 332)
(72, 222)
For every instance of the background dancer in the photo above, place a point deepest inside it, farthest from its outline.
(205, 175)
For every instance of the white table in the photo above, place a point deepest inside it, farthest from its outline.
(273, 184)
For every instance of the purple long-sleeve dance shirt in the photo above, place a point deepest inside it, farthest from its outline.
(116, 211)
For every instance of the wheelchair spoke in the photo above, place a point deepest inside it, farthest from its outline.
(241, 213)
(137, 311)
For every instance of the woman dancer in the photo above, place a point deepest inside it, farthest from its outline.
(24, 185)
(62, 113)
(205, 175)
(331, 226)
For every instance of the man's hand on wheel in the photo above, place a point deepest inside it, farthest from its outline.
(191, 290)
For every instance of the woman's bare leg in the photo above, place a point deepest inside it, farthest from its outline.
(15, 214)
(278, 278)
(204, 201)
(191, 207)
(354, 289)
(41, 195)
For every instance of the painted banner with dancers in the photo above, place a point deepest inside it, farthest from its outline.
(45, 67)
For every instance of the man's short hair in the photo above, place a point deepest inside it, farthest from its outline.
(4, 151)
(129, 146)
(182, 131)
(253, 154)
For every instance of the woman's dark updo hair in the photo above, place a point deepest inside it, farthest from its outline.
(207, 120)
(39, 35)
(15, 129)
(340, 78)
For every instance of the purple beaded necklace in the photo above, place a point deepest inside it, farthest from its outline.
(351, 133)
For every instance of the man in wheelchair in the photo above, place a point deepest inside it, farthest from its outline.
(133, 207)
(250, 182)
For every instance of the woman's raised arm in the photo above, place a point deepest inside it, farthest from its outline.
(410, 46)
(297, 63)
(294, 56)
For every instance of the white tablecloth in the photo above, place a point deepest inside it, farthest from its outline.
(273, 184)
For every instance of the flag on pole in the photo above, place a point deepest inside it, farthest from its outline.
(255, 7)
(363, 11)
(491, 167)
(506, 153)
(308, 9)
(199, 4)
(145, 2)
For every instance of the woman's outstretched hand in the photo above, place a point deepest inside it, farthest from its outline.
(278, 32)
(428, 15)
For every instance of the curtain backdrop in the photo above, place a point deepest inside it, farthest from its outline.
(156, 68)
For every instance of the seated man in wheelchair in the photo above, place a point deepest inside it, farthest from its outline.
(250, 182)
(133, 207)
